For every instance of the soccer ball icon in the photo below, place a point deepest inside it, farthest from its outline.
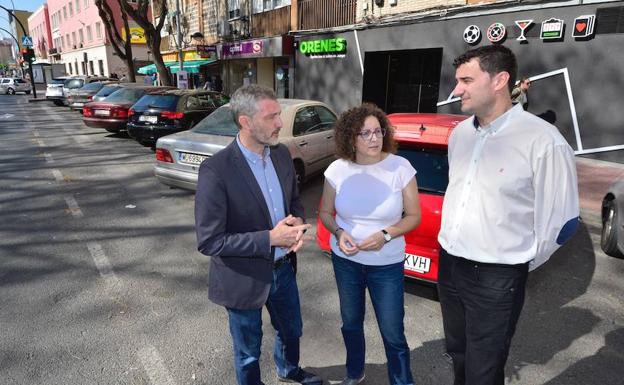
(472, 33)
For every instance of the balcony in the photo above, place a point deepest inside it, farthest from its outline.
(318, 14)
(271, 23)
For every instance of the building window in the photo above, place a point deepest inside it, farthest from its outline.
(69, 67)
(85, 3)
(75, 43)
(98, 30)
(89, 33)
(81, 34)
(233, 9)
(77, 6)
(71, 9)
(63, 42)
(267, 5)
(101, 65)
(65, 13)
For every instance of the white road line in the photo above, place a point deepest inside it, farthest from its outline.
(73, 206)
(36, 134)
(57, 175)
(40, 143)
(155, 367)
(102, 263)
(48, 158)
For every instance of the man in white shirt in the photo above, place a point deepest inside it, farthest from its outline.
(512, 200)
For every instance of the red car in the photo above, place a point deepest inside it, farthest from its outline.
(112, 112)
(423, 140)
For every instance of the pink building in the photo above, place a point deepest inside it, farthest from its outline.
(79, 37)
(39, 30)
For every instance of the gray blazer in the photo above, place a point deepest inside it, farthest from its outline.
(232, 222)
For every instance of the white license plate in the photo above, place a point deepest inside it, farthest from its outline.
(78, 104)
(191, 158)
(101, 112)
(417, 263)
(147, 118)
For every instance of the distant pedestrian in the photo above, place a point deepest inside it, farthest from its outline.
(155, 79)
(520, 93)
(113, 76)
(208, 86)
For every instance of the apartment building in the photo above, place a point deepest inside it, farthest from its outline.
(41, 33)
(80, 41)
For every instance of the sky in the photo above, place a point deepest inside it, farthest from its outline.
(22, 5)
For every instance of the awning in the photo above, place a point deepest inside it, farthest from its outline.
(148, 69)
(191, 66)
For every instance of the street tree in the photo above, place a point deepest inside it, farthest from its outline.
(122, 47)
(139, 13)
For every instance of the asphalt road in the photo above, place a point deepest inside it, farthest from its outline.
(101, 283)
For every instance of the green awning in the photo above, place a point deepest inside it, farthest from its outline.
(147, 70)
(191, 66)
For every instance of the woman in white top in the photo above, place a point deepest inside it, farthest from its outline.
(374, 196)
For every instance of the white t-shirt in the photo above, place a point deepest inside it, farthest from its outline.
(369, 198)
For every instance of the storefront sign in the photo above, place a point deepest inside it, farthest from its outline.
(325, 48)
(137, 35)
(182, 80)
(245, 48)
(472, 34)
(207, 51)
(496, 32)
(523, 25)
(583, 26)
(552, 29)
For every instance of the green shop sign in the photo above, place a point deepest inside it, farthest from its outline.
(335, 47)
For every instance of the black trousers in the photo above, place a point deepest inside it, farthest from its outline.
(481, 304)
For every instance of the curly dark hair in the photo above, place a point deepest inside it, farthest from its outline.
(349, 125)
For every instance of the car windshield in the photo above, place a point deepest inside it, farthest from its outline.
(431, 166)
(56, 81)
(107, 90)
(164, 102)
(220, 122)
(92, 86)
(73, 83)
(126, 95)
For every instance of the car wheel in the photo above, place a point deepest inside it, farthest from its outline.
(608, 238)
(27, 92)
(10, 91)
(299, 174)
(57, 102)
(113, 130)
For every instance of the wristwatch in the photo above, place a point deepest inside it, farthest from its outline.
(387, 236)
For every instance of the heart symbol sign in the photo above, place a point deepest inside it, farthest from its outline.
(581, 26)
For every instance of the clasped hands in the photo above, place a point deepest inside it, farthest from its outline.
(289, 233)
(347, 245)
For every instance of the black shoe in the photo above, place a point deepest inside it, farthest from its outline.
(303, 377)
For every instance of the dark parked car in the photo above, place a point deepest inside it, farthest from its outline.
(77, 98)
(612, 239)
(112, 112)
(166, 112)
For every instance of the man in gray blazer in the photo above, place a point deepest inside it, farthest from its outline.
(249, 220)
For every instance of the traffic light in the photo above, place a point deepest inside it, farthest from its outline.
(28, 54)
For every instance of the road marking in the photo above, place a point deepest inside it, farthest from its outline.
(155, 367)
(102, 263)
(40, 143)
(57, 175)
(73, 206)
(48, 158)
(36, 134)
(6, 116)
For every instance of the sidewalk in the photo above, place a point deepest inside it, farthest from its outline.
(594, 178)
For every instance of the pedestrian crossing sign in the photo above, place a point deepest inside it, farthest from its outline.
(27, 41)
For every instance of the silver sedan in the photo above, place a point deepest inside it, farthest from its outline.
(308, 133)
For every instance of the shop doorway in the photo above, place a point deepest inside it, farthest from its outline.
(403, 81)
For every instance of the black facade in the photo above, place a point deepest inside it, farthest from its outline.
(399, 64)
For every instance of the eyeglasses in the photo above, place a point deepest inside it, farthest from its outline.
(368, 134)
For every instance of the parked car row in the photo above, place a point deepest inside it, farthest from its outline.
(58, 89)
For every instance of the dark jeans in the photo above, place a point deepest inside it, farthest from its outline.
(385, 286)
(246, 329)
(481, 303)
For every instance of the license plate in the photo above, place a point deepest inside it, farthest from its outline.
(191, 158)
(78, 104)
(417, 263)
(101, 112)
(147, 118)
